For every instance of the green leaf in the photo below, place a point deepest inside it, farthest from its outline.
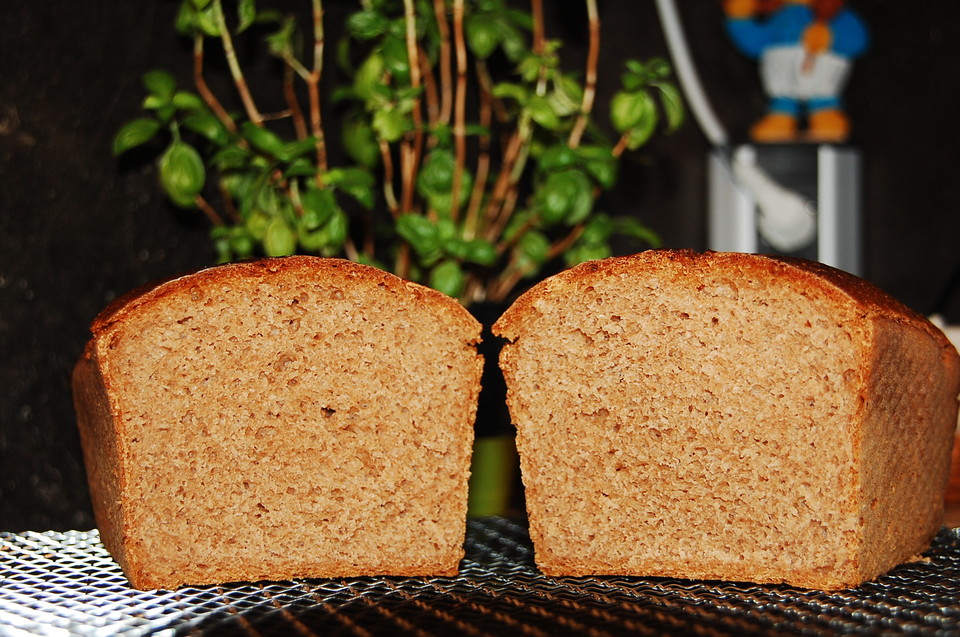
(555, 197)
(632, 109)
(369, 76)
(356, 182)
(186, 21)
(513, 43)
(643, 131)
(517, 92)
(566, 97)
(188, 101)
(319, 205)
(207, 126)
(337, 229)
(280, 42)
(586, 252)
(630, 227)
(349, 177)
(390, 124)
(221, 241)
(483, 34)
(448, 277)
(230, 158)
(636, 67)
(297, 148)
(557, 157)
(246, 14)
(420, 232)
(301, 167)
(543, 113)
(582, 202)
(395, 58)
(279, 240)
(360, 142)
(262, 139)
(533, 248)
(598, 229)
(480, 252)
(520, 18)
(242, 244)
(658, 68)
(160, 85)
(199, 4)
(366, 25)
(436, 172)
(600, 164)
(256, 223)
(182, 174)
(206, 21)
(135, 133)
(672, 105)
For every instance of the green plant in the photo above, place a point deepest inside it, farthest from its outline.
(458, 175)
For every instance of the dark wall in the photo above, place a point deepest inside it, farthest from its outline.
(77, 227)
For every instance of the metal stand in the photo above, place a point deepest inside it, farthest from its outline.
(829, 176)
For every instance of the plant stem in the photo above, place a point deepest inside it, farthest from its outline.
(590, 81)
(561, 246)
(440, 11)
(204, 91)
(388, 194)
(208, 210)
(514, 273)
(313, 86)
(515, 156)
(410, 157)
(290, 94)
(229, 204)
(430, 90)
(459, 126)
(483, 158)
(235, 71)
(502, 185)
(621, 144)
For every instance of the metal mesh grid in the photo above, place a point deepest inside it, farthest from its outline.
(67, 584)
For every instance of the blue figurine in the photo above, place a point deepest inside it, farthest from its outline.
(806, 50)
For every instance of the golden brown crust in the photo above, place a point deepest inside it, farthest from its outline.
(872, 300)
(315, 267)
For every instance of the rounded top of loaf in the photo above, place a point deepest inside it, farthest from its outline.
(844, 289)
(298, 267)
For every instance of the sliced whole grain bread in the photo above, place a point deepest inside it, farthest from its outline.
(294, 417)
(727, 416)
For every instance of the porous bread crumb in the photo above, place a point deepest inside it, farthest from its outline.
(297, 417)
(726, 416)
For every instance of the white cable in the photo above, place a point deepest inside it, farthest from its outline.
(786, 219)
(687, 74)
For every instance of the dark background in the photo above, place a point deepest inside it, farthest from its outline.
(77, 227)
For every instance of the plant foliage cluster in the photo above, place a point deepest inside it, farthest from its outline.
(472, 156)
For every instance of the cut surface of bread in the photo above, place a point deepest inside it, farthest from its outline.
(727, 416)
(281, 418)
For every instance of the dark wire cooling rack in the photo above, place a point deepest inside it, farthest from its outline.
(66, 584)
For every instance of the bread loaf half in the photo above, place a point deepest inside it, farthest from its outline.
(727, 416)
(297, 417)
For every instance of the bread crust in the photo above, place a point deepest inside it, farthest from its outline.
(871, 301)
(316, 267)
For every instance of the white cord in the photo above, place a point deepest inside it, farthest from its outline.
(687, 74)
(786, 219)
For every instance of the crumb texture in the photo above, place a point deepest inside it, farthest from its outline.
(304, 418)
(704, 416)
